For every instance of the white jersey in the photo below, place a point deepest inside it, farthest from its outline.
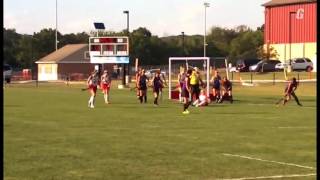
(105, 79)
(202, 97)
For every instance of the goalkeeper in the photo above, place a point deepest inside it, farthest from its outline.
(195, 82)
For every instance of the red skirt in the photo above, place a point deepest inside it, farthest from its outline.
(105, 87)
(93, 88)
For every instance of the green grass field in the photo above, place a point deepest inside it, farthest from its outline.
(50, 133)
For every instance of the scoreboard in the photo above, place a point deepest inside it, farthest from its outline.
(112, 49)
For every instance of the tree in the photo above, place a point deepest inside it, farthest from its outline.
(245, 45)
(10, 46)
(263, 53)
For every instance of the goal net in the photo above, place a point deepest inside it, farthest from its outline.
(206, 66)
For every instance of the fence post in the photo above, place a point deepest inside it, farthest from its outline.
(274, 78)
(251, 77)
(309, 74)
(68, 79)
(232, 76)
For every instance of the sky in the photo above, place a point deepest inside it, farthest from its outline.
(161, 17)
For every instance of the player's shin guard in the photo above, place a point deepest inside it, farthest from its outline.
(106, 98)
(185, 106)
(155, 100)
(90, 101)
(93, 100)
(140, 98)
(284, 102)
(145, 99)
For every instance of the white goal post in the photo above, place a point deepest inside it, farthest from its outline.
(205, 59)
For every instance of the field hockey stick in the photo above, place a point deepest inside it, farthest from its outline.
(279, 101)
(84, 89)
(133, 88)
(283, 98)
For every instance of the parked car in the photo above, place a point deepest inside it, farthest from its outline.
(7, 73)
(243, 65)
(150, 73)
(297, 64)
(264, 66)
(233, 69)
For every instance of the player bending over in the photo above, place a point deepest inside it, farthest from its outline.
(289, 91)
(157, 85)
(105, 85)
(92, 83)
(226, 90)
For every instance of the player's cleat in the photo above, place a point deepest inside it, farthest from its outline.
(185, 112)
(91, 106)
(300, 104)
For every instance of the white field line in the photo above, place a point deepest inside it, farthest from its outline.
(277, 162)
(297, 127)
(272, 177)
(268, 80)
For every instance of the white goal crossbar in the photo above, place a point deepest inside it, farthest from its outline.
(205, 59)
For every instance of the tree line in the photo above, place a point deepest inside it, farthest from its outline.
(22, 50)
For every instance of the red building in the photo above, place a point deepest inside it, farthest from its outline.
(291, 28)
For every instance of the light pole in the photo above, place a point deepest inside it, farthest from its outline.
(206, 4)
(56, 25)
(182, 44)
(124, 66)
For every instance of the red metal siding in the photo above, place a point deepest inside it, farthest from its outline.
(302, 30)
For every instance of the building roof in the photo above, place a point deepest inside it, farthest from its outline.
(71, 53)
(286, 2)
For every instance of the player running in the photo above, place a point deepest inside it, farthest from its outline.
(105, 85)
(93, 82)
(157, 85)
(142, 86)
(289, 91)
(186, 89)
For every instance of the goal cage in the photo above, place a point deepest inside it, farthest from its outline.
(205, 65)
